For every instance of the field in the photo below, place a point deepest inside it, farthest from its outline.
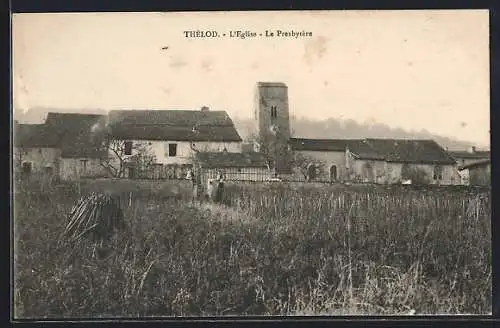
(269, 250)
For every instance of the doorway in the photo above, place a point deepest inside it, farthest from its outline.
(333, 173)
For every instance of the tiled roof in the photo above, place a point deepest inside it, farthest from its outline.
(175, 125)
(476, 164)
(227, 159)
(340, 145)
(272, 84)
(76, 138)
(319, 144)
(478, 154)
(35, 136)
(410, 151)
(70, 120)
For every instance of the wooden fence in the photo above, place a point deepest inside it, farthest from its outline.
(176, 172)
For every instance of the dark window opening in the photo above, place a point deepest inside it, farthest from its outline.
(239, 170)
(438, 172)
(27, 167)
(274, 112)
(333, 173)
(128, 148)
(172, 150)
(48, 170)
(311, 172)
(83, 163)
(131, 172)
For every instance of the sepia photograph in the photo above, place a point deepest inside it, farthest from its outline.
(236, 164)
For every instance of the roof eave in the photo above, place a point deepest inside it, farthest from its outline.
(422, 162)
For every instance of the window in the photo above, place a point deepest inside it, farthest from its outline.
(172, 150)
(438, 172)
(333, 173)
(27, 167)
(48, 170)
(83, 164)
(274, 112)
(128, 148)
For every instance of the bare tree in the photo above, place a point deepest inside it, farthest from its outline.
(268, 147)
(117, 155)
(19, 153)
(142, 159)
(271, 149)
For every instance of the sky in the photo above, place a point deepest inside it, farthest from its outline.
(407, 69)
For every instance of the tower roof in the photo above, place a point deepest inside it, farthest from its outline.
(272, 84)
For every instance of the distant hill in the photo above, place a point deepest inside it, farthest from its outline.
(350, 129)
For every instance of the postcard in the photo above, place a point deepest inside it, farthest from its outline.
(236, 164)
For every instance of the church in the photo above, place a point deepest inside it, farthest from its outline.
(383, 161)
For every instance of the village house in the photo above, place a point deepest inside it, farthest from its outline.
(80, 152)
(469, 156)
(479, 172)
(172, 137)
(62, 146)
(327, 156)
(35, 150)
(466, 157)
(385, 161)
(391, 161)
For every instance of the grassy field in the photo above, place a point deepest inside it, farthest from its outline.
(270, 250)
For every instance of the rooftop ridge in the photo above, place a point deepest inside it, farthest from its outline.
(272, 84)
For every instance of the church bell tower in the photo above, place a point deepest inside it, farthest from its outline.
(273, 121)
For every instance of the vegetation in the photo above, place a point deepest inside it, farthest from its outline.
(272, 148)
(417, 175)
(271, 250)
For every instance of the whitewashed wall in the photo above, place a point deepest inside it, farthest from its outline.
(184, 151)
(384, 172)
(327, 159)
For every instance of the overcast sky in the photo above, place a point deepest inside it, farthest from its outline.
(408, 69)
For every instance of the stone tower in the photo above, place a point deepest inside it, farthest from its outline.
(273, 122)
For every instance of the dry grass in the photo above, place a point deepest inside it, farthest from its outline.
(271, 251)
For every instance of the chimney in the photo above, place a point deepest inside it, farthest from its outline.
(204, 109)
